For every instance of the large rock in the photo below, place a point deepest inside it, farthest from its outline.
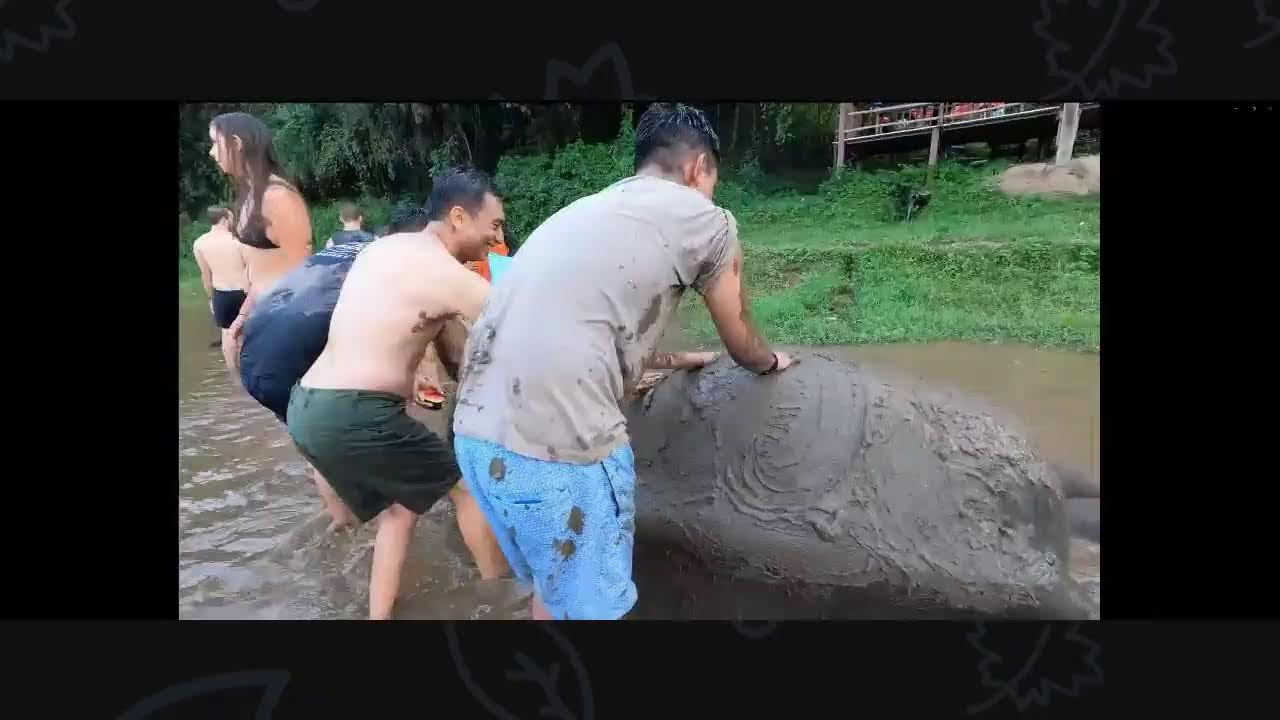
(826, 478)
(1079, 176)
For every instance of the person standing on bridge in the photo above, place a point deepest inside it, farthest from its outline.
(539, 430)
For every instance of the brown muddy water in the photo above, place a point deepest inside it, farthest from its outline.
(252, 540)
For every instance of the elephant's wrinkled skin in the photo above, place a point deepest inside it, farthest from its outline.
(827, 478)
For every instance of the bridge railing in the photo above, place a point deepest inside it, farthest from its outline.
(910, 118)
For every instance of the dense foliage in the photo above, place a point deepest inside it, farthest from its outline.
(829, 259)
(344, 150)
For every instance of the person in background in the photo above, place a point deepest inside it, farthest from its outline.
(352, 226)
(348, 414)
(407, 217)
(272, 224)
(539, 429)
(222, 271)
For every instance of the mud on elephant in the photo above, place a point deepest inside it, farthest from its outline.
(857, 497)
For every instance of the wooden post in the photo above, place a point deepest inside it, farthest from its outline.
(935, 139)
(840, 128)
(1068, 123)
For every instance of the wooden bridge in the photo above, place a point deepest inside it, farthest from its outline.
(914, 126)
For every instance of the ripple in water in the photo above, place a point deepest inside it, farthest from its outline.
(253, 541)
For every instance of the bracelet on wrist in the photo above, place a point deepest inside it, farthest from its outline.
(772, 368)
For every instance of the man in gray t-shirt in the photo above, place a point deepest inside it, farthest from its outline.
(563, 339)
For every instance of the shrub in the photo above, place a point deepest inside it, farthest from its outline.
(535, 187)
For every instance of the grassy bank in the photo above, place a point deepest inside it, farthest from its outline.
(839, 264)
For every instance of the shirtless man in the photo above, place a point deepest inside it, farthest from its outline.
(428, 391)
(348, 415)
(352, 226)
(539, 432)
(289, 331)
(222, 271)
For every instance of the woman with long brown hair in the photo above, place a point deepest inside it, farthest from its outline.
(274, 230)
(272, 222)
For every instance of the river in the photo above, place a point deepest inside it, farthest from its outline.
(252, 540)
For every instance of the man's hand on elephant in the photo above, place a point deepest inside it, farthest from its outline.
(648, 381)
(784, 361)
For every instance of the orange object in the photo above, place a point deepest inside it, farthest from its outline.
(429, 397)
(482, 266)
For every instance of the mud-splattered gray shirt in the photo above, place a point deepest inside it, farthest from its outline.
(565, 335)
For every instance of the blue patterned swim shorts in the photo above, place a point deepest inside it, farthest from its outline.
(567, 529)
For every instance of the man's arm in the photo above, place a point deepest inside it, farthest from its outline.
(206, 274)
(450, 344)
(726, 300)
(470, 293)
(466, 295)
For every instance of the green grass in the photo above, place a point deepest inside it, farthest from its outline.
(1034, 291)
(838, 266)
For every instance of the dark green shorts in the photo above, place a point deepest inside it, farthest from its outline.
(369, 449)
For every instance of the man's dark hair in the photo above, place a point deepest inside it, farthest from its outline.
(217, 214)
(465, 186)
(349, 212)
(666, 132)
(407, 217)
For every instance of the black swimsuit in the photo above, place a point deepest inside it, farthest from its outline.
(345, 236)
(226, 306)
(256, 236)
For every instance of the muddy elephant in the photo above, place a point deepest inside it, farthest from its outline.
(834, 483)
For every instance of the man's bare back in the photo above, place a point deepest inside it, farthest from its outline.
(219, 251)
(396, 299)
